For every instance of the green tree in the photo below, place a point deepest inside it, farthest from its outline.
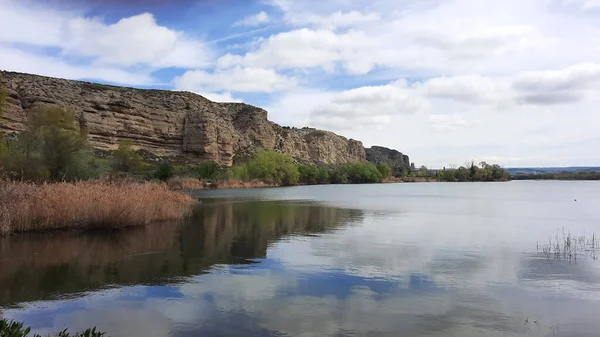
(209, 170)
(309, 174)
(52, 147)
(273, 167)
(63, 143)
(164, 172)
(125, 159)
(385, 170)
(362, 173)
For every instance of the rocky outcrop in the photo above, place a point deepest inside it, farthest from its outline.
(399, 162)
(170, 123)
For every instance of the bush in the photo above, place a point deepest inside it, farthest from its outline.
(52, 147)
(209, 170)
(240, 172)
(385, 170)
(164, 172)
(273, 167)
(361, 173)
(338, 176)
(125, 159)
(309, 174)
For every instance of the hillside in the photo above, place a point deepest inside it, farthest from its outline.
(172, 124)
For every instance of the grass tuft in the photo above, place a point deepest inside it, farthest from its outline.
(86, 205)
(184, 183)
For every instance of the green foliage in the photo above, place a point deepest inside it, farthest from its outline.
(309, 174)
(385, 170)
(52, 147)
(273, 167)
(362, 173)
(125, 159)
(164, 172)
(240, 172)
(580, 175)
(209, 170)
(17, 329)
(484, 172)
(337, 175)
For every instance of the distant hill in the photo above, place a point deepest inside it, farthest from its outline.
(542, 170)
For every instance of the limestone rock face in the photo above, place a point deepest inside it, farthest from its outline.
(382, 155)
(170, 123)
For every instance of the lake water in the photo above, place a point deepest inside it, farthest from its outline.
(425, 259)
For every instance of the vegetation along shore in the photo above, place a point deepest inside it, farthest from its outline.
(53, 177)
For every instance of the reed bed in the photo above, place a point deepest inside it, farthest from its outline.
(240, 184)
(87, 205)
(566, 246)
(185, 183)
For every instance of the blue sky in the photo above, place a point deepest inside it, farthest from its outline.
(444, 81)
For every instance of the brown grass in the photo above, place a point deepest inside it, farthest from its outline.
(240, 184)
(185, 183)
(86, 205)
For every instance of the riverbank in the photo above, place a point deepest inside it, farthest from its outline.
(190, 183)
(87, 205)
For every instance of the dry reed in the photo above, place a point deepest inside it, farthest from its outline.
(86, 205)
(185, 183)
(225, 184)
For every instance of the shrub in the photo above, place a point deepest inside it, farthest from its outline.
(338, 176)
(273, 167)
(52, 147)
(361, 173)
(309, 174)
(209, 170)
(239, 172)
(164, 172)
(125, 159)
(86, 205)
(385, 170)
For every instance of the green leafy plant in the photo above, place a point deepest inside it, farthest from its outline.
(209, 170)
(164, 172)
(125, 159)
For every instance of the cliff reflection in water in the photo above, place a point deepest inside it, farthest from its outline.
(43, 266)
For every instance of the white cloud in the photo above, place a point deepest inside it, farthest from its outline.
(219, 97)
(367, 106)
(338, 19)
(558, 86)
(17, 60)
(237, 79)
(132, 41)
(446, 122)
(468, 88)
(253, 20)
(307, 48)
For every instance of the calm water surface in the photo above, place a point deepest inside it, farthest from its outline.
(354, 260)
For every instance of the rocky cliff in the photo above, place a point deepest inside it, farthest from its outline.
(170, 123)
(399, 162)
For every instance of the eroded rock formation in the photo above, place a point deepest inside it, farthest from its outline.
(400, 163)
(170, 123)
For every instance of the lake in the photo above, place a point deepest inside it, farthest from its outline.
(424, 259)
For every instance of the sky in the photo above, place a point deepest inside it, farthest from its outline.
(445, 81)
